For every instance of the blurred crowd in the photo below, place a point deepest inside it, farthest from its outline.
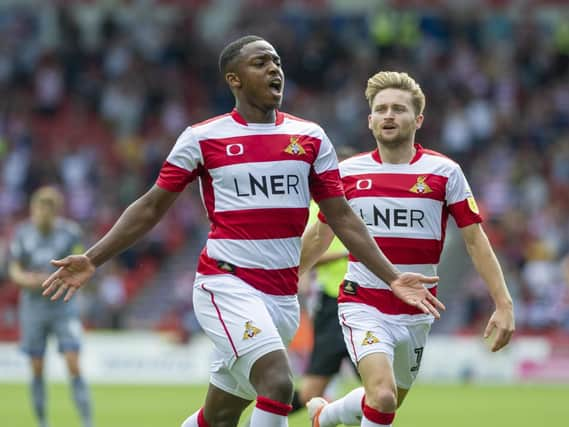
(94, 94)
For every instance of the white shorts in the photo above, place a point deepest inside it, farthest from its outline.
(366, 331)
(244, 325)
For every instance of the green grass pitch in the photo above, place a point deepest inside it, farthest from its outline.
(466, 405)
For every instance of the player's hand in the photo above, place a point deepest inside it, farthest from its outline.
(502, 324)
(74, 271)
(410, 288)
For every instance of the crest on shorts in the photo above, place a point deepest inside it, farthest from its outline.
(294, 147)
(250, 330)
(370, 339)
(421, 187)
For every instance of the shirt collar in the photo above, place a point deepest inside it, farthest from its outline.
(418, 153)
(239, 118)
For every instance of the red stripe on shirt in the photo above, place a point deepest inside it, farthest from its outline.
(409, 251)
(382, 299)
(395, 185)
(274, 282)
(252, 224)
(463, 215)
(174, 178)
(325, 185)
(258, 148)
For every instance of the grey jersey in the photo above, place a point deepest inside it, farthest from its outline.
(34, 251)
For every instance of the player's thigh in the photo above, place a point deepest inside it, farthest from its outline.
(68, 330)
(234, 316)
(376, 370)
(221, 406)
(409, 353)
(365, 333)
(244, 326)
(34, 330)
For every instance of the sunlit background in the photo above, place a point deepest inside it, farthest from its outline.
(94, 93)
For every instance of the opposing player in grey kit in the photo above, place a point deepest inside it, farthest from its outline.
(44, 237)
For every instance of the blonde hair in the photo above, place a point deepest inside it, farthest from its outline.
(47, 194)
(395, 80)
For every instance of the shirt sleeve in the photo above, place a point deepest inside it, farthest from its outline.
(460, 200)
(324, 176)
(182, 164)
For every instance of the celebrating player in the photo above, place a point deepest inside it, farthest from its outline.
(257, 168)
(37, 241)
(404, 194)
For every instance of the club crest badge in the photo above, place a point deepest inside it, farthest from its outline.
(370, 339)
(251, 330)
(294, 147)
(421, 187)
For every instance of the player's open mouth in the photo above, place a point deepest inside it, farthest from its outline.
(389, 127)
(276, 85)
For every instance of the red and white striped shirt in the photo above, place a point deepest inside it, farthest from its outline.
(256, 181)
(405, 208)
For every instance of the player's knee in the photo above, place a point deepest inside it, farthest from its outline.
(382, 399)
(277, 386)
(272, 378)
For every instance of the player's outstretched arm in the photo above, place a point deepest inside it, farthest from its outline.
(315, 241)
(409, 287)
(75, 270)
(24, 278)
(502, 322)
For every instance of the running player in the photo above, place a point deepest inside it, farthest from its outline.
(46, 236)
(404, 194)
(258, 168)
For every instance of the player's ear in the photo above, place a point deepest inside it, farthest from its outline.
(233, 80)
(369, 126)
(419, 121)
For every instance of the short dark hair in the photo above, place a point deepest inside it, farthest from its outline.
(232, 50)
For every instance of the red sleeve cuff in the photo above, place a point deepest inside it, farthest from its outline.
(174, 178)
(326, 185)
(465, 213)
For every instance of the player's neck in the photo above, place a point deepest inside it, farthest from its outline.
(400, 154)
(253, 114)
(44, 229)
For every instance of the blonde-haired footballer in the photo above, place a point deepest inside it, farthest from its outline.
(404, 193)
(46, 236)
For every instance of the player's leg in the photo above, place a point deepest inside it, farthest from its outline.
(33, 340)
(221, 409)
(272, 378)
(248, 331)
(380, 400)
(38, 390)
(68, 331)
(374, 404)
(370, 342)
(79, 389)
